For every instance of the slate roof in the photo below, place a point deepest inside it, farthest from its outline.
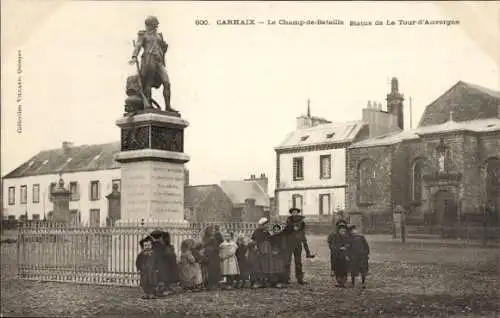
(467, 101)
(76, 158)
(464, 107)
(196, 195)
(240, 190)
(332, 133)
(479, 125)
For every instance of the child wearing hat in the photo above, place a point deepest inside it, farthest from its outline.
(358, 256)
(339, 244)
(146, 265)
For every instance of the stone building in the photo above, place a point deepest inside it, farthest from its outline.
(446, 170)
(249, 197)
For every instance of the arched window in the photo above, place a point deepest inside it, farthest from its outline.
(417, 185)
(366, 182)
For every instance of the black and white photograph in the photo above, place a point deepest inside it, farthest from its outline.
(250, 159)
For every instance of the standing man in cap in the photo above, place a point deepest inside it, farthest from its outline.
(295, 230)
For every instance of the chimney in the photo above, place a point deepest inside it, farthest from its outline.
(67, 145)
(252, 177)
(263, 176)
(395, 103)
(250, 202)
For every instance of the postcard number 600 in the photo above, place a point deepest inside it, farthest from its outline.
(201, 22)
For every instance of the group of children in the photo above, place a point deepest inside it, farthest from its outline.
(260, 261)
(349, 254)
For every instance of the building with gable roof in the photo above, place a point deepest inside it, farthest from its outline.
(90, 172)
(249, 197)
(445, 171)
(311, 165)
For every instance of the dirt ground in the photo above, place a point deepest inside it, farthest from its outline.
(424, 278)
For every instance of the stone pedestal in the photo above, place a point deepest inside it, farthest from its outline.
(60, 198)
(152, 181)
(152, 166)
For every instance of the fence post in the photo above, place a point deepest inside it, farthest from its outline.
(18, 247)
(485, 226)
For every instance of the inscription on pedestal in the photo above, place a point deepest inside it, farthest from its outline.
(135, 185)
(153, 190)
(167, 198)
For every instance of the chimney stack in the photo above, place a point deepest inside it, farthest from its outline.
(263, 176)
(252, 177)
(395, 103)
(67, 144)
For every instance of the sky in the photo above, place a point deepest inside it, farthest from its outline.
(240, 87)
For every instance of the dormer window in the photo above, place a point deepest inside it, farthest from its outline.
(330, 135)
(304, 138)
(97, 157)
(69, 160)
(45, 162)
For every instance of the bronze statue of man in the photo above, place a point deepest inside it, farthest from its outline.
(153, 72)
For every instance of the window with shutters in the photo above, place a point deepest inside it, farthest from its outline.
(297, 201)
(12, 195)
(325, 168)
(94, 191)
(75, 217)
(95, 217)
(298, 168)
(75, 193)
(324, 204)
(24, 194)
(36, 193)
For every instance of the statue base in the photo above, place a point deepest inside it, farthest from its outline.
(152, 167)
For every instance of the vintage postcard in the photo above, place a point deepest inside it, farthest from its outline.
(250, 159)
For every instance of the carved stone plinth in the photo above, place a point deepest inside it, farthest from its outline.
(61, 197)
(152, 166)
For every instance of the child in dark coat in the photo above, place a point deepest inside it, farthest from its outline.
(339, 244)
(358, 256)
(146, 265)
(241, 256)
(168, 273)
(254, 271)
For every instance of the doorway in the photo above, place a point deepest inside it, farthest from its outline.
(446, 208)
